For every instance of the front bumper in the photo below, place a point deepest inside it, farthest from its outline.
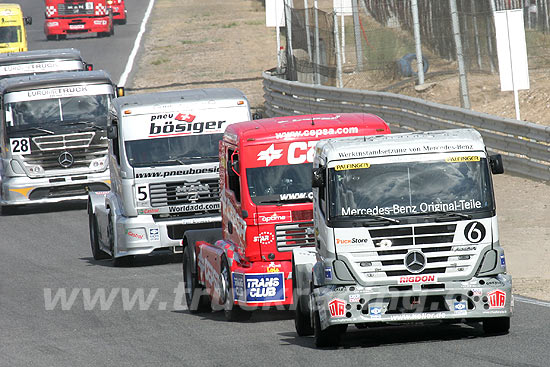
(76, 25)
(142, 235)
(472, 300)
(24, 190)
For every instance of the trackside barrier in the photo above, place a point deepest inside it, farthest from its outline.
(525, 146)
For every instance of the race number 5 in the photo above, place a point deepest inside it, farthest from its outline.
(141, 193)
(20, 146)
(474, 232)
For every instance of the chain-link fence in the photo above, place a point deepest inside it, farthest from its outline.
(376, 48)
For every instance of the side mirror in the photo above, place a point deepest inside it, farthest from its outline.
(244, 213)
(112, 132)
(318, 177)
(256, 116)
(495, 161)
(28, 20)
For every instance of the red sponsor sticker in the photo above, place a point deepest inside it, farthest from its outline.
(185, 117)
(264, 238)
(417, 279)
(274, 217)
(134, 235)
(497, 298)
(337, 307)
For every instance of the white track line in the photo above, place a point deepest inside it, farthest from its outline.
(532, 301)
(131, 58)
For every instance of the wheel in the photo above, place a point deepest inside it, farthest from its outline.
(117, 261)
(97, 253)
(51, 37)
(196, 301)
(62, 37)
(112, 31)
(122, 21)
(496, 325)
(9, 209)
(231, 311)
(302, 320)
(330, 337)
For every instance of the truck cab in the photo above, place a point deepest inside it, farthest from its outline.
(405, 231)
(53, 137)
(13, 35)
(119, 11)
(16, 64)
(266, 200)
(65, 17)
(164, 170)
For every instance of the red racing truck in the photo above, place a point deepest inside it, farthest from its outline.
(267, 211)
(118, 8)
(65, 17)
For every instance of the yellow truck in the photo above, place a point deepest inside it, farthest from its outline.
(13, 37)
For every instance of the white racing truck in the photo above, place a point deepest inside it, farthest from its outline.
(164, 170)
(405, 231)
(16, 64)
(53, 139)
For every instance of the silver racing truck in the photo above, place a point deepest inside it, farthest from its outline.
(53, 139)
(164, 170)
(405, 231)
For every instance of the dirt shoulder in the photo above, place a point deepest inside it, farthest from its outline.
(211, 43)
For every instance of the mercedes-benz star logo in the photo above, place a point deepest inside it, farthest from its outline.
(65, 159)
(415, 261)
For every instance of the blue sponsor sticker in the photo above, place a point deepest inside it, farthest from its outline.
(328, 273)
(154, 234)
(375, 311)
(502, 261)
(263, 287)
(460, 307)
(238, 287)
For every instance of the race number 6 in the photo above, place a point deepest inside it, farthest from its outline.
(20, 146)
(141, 193)
(474, 232)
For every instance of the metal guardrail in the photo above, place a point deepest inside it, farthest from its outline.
(525, 146)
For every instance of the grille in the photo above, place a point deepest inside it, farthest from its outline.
(434, 241)
(184, 192)
(74, 9)
(64, 142)
(293, 235)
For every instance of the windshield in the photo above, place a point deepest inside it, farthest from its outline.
(173, 150)
(280, 184)
(31, 114)
(10, 34)
(410, 188)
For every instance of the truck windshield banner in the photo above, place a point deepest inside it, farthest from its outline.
(182, 122)
(58, 92)
(266, 287)
(40, 67)
(280, 154)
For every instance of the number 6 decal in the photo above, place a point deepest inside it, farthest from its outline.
(474, 232)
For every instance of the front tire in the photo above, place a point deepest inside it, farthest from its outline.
(302, 320)
(330, 337)
(232, 312)
(97, 253)
(117, 261)
(496, 325)
(196, 301)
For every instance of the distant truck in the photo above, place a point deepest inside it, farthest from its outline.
(13, 35)
(164, 170)
(405, 232)
(265, 189)
(118, 8)
(16, 64)
(54, 140)
(65, 17)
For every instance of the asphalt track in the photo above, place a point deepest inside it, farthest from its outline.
(44, 251)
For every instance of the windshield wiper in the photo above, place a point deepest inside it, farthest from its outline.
(34, 128)
(369, 216)
(91, 124)
(444, 216)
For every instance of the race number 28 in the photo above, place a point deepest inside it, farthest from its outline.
(474, 232)
(20, 146)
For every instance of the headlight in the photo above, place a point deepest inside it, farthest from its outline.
(35, 170)
(16, 167)
(99, 164)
